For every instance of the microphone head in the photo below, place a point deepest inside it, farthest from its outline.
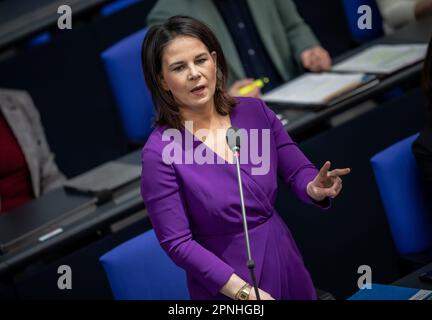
(233, 138)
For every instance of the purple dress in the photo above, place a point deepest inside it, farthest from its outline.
(195, 211)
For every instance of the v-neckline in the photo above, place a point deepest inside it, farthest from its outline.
(197, 141)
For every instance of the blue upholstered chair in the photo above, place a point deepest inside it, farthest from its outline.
(123, 66)
(139, 269)
(351, 12)
(116, 6)
(401, 194)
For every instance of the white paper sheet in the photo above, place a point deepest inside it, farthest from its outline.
(383, 59)
(314, 88)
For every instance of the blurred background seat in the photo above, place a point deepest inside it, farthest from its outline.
(139, 269)
(404, 202)
(123, 66)
(351, 8)
(116, 6)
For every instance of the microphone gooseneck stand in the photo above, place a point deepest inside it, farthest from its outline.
(235, 147)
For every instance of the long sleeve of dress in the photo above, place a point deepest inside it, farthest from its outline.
(163, 200)
(293, 166)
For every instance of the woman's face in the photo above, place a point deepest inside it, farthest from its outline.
(189, 72)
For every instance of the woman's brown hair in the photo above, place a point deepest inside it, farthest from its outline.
(157, 38)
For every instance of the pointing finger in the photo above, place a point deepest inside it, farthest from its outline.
(339, 172)
(324, 170)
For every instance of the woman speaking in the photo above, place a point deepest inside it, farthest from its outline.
(194, 205)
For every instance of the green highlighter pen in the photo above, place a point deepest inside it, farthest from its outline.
(257, 83)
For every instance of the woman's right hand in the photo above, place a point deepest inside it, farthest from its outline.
(235, 283)
(263, 295)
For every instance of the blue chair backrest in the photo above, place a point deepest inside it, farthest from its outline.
(116, 6)
(401, 192)
(351, 8)
(123, 65)
(139, 269)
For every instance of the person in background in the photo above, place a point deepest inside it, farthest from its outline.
(259, 38)
(422, 146)
(397, 13)
(27, 166)
(194, 207)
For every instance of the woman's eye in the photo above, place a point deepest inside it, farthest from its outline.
(179, 68)
(200, 61)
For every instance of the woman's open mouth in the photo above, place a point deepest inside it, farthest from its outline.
(198, 90)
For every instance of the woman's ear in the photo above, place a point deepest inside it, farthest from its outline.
(214, 57)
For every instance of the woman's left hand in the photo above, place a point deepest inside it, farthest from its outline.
(326, 183)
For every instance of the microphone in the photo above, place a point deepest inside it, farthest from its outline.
(233, 140)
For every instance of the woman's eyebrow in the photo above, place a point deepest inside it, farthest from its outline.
(204, 54)
(175, 63)
(201, 55)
